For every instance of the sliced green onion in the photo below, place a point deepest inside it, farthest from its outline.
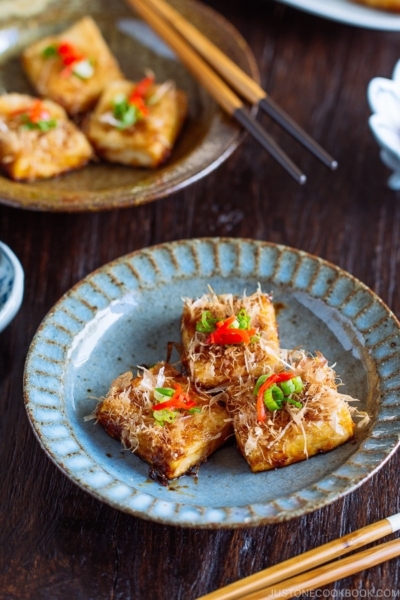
(206, 323)
(161, 393)
(273, 398)
(125, 113)
(47, 125)
(49, 51)
(244, 319)
(298, 384)
(291, 401)
(41, 125)
(287, 387)
(164, 416)
(195, 409)
(259, 383)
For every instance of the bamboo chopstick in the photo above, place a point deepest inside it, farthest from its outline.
(231, 103)
(295, 575)
(329, 573)
(239, 80)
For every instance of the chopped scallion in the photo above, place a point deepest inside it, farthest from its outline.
(243, 319)
(49, 51)
(288, 387)
(206, 323)
(164, 416)
(259, 383)
(160, 394)
(294, 402)
(298, 384)
(273, 398)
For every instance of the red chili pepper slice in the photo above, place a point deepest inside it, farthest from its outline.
(69, 53)
(37, 112)
(141, 88)
(225, 335)
(275, 378)
(180, 399)
(231, 336)
(139, 103)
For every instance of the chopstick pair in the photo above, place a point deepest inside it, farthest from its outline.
(189, 43)
(293, 577)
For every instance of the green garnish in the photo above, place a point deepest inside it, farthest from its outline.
(273, 398)
(288, 387)
(295, 402)
(196, 409)
(259, 383)
(243, 319)
(43, 126)
(164, 416)
(161, 394)
(50, 51)
(298, 384)
(206, 323)
(124, 112)
(276, 389)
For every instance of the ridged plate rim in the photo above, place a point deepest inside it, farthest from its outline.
(373, 321)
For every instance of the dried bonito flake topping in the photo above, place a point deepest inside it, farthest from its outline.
(227, 336)
(164, 419)
(304, 415)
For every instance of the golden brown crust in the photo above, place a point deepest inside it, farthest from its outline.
(74, 94)
(147, 143)
(171, 449)
(391, 5)
(292, 434)
(211, 365)
(30, 154)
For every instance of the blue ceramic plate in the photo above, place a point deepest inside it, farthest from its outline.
(124, 314)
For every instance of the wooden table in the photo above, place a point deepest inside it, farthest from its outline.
(57, 542)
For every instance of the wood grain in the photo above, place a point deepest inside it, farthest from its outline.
(59, 543)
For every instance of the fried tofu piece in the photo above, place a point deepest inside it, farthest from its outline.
(392, 5)
(148, 142)
(72, 68)
(212, 364)
(293, 433)
(179, 439)
(37, 140)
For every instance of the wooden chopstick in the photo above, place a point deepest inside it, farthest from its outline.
(240, 80)
(294, 575)
(329, 573)
(220, 91)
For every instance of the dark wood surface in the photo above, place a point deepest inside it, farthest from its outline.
(57, 542)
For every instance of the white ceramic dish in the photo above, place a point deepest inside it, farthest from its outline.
(384, 100)
(347, 12)
(11, 285)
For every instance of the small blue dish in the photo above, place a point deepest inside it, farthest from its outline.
(11, 285)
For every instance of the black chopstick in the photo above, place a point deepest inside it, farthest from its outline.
(227, 99)
(238, 79)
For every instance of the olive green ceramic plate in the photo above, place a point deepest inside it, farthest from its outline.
(208, 137)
